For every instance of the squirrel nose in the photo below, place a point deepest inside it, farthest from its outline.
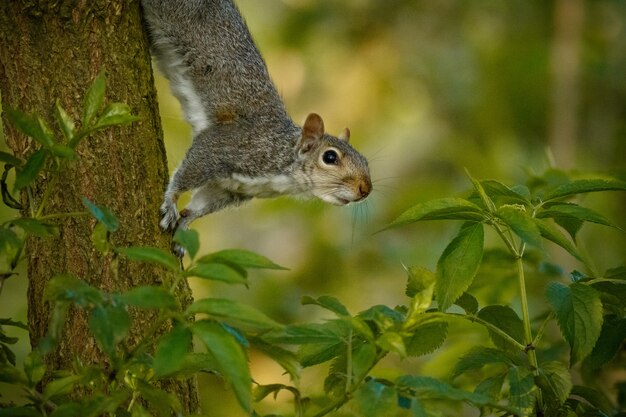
(365, 188)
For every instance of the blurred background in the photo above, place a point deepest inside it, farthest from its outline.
(504, 88)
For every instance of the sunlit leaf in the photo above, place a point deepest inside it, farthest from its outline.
(217, 272)
(94, 99)
(392, 342)
(65, 122)
(579, 314)
(241, 258)
(521, 223)
(440, 209)
(100, 238)
(230, 359)
(234, 313)
(61, 386)
(458, 265)
(497, 190)
(115, 114)
(34, 367)
(584, 186)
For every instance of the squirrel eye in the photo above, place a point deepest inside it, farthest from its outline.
(330, 157)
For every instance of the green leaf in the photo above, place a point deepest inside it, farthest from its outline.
(573, 211)
(31, 169)
(468, 303)
(66, 287)
(420, 279)
(13, 323)
(374, 398)
(24, 411)
(163, 402)
(151, 255)
(102, 214)
(10, 159)
(427, 336)
(584, 186)
(491, 387)
(329, 303)
(487, 201)
(36, 227)
(555, 378)
(579, 314)
(516, 217)
(609, 342)
(285, 358)
(553, 234)
(458, 265)
(115, 114)
(66, 123)
(595, 398)
(328, 333)
(189, 240)
(234, 313)
(109, 326)
(61, 386)
(392, 342)
(217, 272)
(230, 357)
(34, 367)
(521, 390)
(94, 99)
(241, 258)
(479, 356)
(32, 126)
(314, 354)
(496, 189)
(11, 375)
(172, 350)
(440, 209)
(100, 238)
(149, 297)
(504, 318)
(425, 387)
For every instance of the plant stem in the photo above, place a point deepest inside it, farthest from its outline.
(488, 325)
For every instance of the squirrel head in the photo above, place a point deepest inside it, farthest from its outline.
(338, 173)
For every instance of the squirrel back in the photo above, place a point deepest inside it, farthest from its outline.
(245, 145)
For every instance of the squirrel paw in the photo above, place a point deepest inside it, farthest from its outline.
(178, 250)
(170, 217)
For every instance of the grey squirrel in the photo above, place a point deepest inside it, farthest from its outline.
(244, 143)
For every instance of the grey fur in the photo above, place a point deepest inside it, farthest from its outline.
(244, 145)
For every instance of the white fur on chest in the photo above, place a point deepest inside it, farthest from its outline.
(264, 186)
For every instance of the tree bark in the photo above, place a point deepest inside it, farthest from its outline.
(53, 50)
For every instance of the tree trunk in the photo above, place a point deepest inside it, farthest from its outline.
(53, 50)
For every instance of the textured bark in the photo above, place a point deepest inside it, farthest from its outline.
(53, 50)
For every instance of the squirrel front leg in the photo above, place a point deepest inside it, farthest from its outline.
(208, 199)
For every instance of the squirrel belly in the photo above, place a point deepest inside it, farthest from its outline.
(244, 144)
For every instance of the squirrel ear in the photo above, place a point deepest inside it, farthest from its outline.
(313, 127)
(344, 135)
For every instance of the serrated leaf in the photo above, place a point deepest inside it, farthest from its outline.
(419, 279)
(392, 342)
(152, 255)
(230, 358)
(491, 387)
(103, 214)
(115, 114)
(149, 297)
(578, 312)
(440, 209)
(596, 398)
(234, 313)
(109, 326)
(240, 257)
(570, 210)
(161, 401)
(479, 356)
(554, 235)
(66, 123)
(609, 342)
(521, 223)
(10, 159)
(36, 227)
(584, 186)
(458, 265)
(189, 240)
(468, 303)
(314, 354)
(31, 169)
(94, 99)
(504, 318)
(172, 350)
(32, 126)
(427, 336)
(327, 302)
(217, 272)
(374, 398)
(555, 378)
(496, 189)
(521, 390)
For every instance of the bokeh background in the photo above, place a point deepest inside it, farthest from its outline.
(503, 88)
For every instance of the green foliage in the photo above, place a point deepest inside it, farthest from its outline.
(523, 372)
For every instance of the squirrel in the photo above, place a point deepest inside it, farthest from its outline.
(244, 143)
